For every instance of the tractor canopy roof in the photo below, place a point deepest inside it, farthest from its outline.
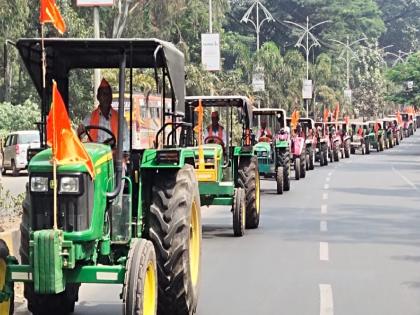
(65, 54)
(241, 102)
(269, 111)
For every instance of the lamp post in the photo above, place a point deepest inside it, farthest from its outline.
(306, 34)
(399, 57)
(257, 5)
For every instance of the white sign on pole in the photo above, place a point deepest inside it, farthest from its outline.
(347, 94)
(210, 52)
(307, 89)
(95, 3)
(258, 84)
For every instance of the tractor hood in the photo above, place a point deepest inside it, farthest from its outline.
(99, 153)
(262, 146)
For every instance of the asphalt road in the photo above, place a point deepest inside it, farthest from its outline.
(345, 240)
(16, 185)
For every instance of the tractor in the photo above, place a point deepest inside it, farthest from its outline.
(137, 221)
(225, 165)
(359, 138)
(323, 143)
(376, 135)
(297, 149)
(308, 128)
(336, 141)
(408, 125)
(391, 131)
(273, 146)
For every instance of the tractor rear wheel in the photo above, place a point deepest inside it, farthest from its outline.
(249, 180)
(303, 166)
(239, 212)
(321, 158)
(174, 227)
(284, 162)
(367, 147)
(7, 307)
(43, 304)
(279, 179)
(352, 150)
(140, 283)
(311, 154)
(335, 153)
(307, 161)
(297, 168)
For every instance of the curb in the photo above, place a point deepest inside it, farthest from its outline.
(12, 239)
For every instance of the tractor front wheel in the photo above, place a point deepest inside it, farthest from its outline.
(347, 149)
(174, 227)
(335, 153)
(249, 180)
(297, 168)
(140, 282)
(302, 166)
(279, 179)
(238, 211)
(325, 153)
(311, 154)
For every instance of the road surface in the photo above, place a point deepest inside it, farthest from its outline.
(345, 240)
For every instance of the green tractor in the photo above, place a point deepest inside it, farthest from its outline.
(376, 135)
(273, 147)
(225, 166)
(136, 223)
(359, 137)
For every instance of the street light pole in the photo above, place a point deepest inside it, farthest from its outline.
(210, 17)
(307, 33)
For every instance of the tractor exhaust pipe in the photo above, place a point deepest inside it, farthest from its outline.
(119, 158)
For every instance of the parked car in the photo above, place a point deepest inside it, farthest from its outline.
(14, 152)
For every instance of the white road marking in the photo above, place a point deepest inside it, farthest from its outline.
(328, 179)
(324, 196)
(330, 173)
(409, 182)
(323, 226)
(326, 186)
(326, 300)
(323, 251)
(324, 209)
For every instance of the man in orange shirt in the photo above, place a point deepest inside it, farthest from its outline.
(104, 116)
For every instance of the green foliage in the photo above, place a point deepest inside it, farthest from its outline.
(18, 117)
(400, 75)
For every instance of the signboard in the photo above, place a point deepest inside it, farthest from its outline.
(210, 52)
(258, 84)
(307, 89)
(95, 3)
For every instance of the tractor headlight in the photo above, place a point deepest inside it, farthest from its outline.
(39, 184)
(69, 185)
(263, 154)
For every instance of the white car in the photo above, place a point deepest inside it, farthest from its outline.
(14, 152)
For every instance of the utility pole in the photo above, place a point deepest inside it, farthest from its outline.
(210, 17)
(97, 72)
(307, 48)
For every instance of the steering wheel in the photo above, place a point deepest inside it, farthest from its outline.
(215, 139)
(112, 141)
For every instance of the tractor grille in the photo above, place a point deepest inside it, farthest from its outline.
(74, 210)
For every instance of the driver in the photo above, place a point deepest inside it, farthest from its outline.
(104, 116)
(216, 130)
(264, 131)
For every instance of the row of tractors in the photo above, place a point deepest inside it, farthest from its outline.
(137, 221)
(308, 142)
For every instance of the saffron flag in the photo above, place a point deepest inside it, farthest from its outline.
(399, 118)
(295, 119)
(336, 111)
(49, 14)
(347, 120)
(326, 114)
(66, 146)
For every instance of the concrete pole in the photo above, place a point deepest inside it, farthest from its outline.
(97, 72)
(210, 17)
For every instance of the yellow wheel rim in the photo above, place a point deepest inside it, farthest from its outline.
(195, 243)
(5, 306)
(257, 192)
(150, 287)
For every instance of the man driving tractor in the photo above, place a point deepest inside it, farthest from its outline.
(264, 131)
(215, 132)
(104, 116)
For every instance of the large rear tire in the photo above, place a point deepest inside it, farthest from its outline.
(303, 166)
(311, 154)
(174, 227)
(367, 147)
(239, 212)
(279, 180)
(249, 180)
(7, 307)
(43, 304)
(140, 283)
(347, 149)
(325, 153)
(284, 161)
(336, 153)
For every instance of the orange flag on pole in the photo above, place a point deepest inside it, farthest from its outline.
(399, 118)
(65, 144)
(49, 13)
(326, 114)
(295, 119)
(337, 111)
